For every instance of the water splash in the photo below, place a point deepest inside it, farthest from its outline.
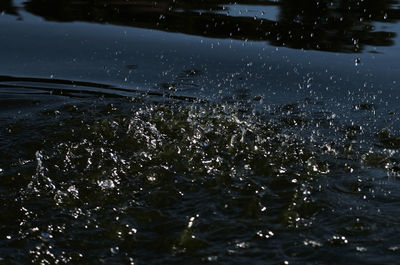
(122, 178)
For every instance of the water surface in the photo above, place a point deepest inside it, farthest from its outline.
(168, 132)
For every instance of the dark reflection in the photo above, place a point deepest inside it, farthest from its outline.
(345, 26)
(340, 26)
(6, 6)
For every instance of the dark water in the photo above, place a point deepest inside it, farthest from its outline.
(176, 132)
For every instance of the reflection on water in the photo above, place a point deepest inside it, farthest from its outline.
(341, 26)
(7, 7)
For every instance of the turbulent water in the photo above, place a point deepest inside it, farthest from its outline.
(164, 181)
(177, 132)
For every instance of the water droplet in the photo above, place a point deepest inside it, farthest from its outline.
(312, 243)
(212, 258)
(106, 184)
(394, 248)
(115, 250)
(46, 236)
(242, 245)
(72, 189)
(151, 178)
(339, 240)
(361, 249)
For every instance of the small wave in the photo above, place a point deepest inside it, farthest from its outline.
(76, 89)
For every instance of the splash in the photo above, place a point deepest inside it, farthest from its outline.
(115, 180)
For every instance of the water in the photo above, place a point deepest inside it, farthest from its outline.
(172, 132)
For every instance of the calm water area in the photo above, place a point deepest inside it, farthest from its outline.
(202, 132)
